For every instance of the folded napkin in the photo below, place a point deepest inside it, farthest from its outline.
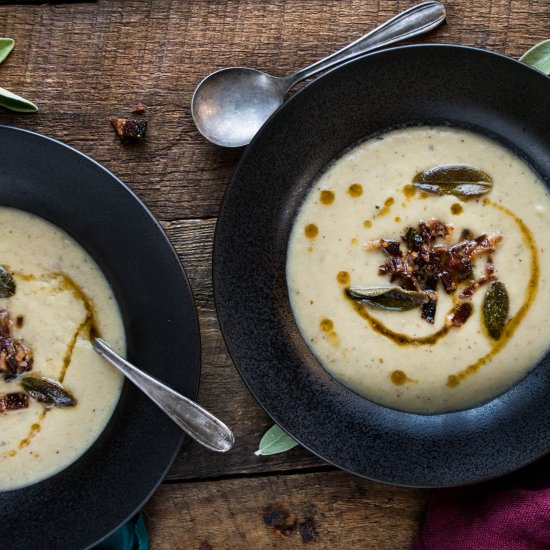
(131, 536)
(510, 513)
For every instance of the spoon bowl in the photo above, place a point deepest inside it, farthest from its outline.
(230, 105)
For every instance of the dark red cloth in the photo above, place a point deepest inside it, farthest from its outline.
(511, 513)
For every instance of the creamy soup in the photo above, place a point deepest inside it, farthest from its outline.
(398, 358)
(60, 297)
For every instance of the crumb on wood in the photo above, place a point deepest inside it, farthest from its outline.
(205, 546)
(129, 129)
(308, 530)
(138, 108)
(280, 520)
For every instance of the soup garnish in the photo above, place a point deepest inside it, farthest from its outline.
(16, 359)
(424, 264)
(458, 180)
(423, 315)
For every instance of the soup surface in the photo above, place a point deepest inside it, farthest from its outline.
(60, 297)
(399, 358)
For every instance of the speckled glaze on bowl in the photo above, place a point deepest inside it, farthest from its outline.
(427, 84)
(85, 502)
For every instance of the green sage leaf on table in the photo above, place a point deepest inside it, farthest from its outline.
(496, 306)
(274, 441)
(538, 57)
(6, 46)
(8, 99)
(458, 180)
(14, 102)
(392, 298)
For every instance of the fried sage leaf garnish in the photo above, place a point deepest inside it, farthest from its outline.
(48, 391)
(7, 284)
(391, 298)
(459, 180)
(496, 305)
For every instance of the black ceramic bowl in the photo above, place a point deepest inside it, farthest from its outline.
(112, 480)
(441, 85)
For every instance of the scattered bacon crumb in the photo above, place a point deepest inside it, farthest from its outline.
(280, 521)
(308, 530)
(138, 108)
(129, 129)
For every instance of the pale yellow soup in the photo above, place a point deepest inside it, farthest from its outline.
(466, 367)
(57, 283)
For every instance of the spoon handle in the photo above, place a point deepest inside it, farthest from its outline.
(188, 415)
(416, 20)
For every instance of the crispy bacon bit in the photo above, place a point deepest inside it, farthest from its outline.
(129, 129)
(424, 264)
(459, 315)
(15, 356)
(429, 308)
(5, 324)
(13, 401)
(138, 108)
(489, 276)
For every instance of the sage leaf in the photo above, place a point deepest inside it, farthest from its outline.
(392, 298)
(6, 46)
(538, 57)
(48, 391)
(496, 305)
(14, 102)
(458, 180)
(275, 441)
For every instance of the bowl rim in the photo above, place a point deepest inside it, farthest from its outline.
(248, 153)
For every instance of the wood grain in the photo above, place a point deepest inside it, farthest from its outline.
(82, 62)
(222, 390)
(346, 512)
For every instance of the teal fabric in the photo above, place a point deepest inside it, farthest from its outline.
(131, 536)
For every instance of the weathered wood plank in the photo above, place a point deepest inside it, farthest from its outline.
(84, 62)
(344, 512)
(222, 391)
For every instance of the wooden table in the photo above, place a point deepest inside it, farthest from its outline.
(83, 62)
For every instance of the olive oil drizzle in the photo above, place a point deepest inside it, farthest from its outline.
(399, 377)
(33, 430)
(399, 338)
(89, 325)
(531, 290)
(513, 323)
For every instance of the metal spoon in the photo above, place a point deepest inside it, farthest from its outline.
(230, 105)
(190, 417)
